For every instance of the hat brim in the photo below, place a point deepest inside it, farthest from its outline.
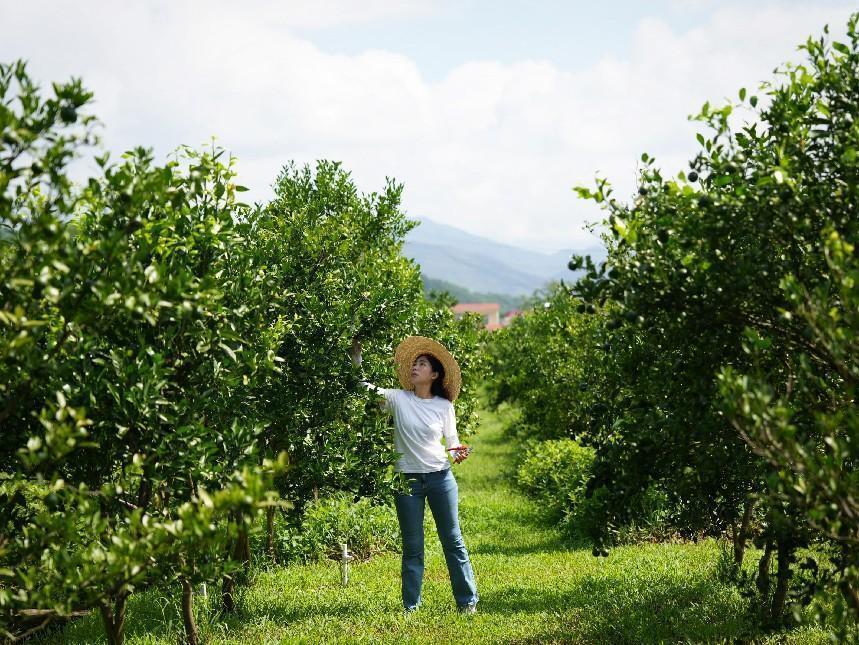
(414, 346)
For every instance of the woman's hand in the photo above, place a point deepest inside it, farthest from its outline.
(355, 352)
(460, 453)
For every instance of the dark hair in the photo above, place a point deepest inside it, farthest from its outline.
(437, 386)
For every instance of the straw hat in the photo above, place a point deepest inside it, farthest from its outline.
(412, 347)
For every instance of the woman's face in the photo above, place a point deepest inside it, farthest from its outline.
(422, 372)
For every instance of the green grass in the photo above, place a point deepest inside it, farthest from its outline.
(533, 588)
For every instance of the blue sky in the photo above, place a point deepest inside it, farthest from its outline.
(488, 112)
(573, 35)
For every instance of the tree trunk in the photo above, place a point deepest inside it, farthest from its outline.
(269, 525)
(783, 574)
(144, 493)
(243, 550)
(763, 581)
(188, 612)
(851, 595)
(227, 601)
(114, 621)
(741, 536)
(240, 553)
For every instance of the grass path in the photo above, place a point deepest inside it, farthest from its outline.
(532, 588)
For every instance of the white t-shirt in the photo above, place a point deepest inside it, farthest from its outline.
(419, 426)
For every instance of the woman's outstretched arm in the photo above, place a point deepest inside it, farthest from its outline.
(355, 354)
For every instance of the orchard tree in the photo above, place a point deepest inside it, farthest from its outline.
(165, 346)
(328, 259)
(541, 362)
(124, 463)
(735, 282)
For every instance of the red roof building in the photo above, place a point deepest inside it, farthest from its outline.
(489, 310)
(509, 316)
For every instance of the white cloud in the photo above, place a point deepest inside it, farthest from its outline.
(491, 148)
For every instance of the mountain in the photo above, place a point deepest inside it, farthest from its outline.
(506, 301)
(479, 264)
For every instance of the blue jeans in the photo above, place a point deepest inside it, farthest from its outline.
(441, 491)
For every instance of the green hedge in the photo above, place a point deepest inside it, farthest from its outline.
(554, 473)
(367, 526)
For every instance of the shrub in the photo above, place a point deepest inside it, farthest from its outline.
(653, 518)
(555, 472)
(368, 528)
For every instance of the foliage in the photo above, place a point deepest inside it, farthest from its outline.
(165, 346)
(120, 374)
(736, 285)
(718, 338)
(554, 474)
(329, 261)
(368, 528)
(540, 361)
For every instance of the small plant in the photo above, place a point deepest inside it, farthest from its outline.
(555, 473)
(367, 527)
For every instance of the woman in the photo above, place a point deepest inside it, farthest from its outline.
(423, 413)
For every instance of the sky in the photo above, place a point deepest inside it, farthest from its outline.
(489, 113)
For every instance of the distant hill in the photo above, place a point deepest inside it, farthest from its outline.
(462, 294)
(483, 266)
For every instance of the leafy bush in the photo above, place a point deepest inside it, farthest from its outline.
(541, 361)
(365, 525)
(737, 285)
(122, 366)
(717, 341)
(555, 473)
(735, 343)
(329, 259)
